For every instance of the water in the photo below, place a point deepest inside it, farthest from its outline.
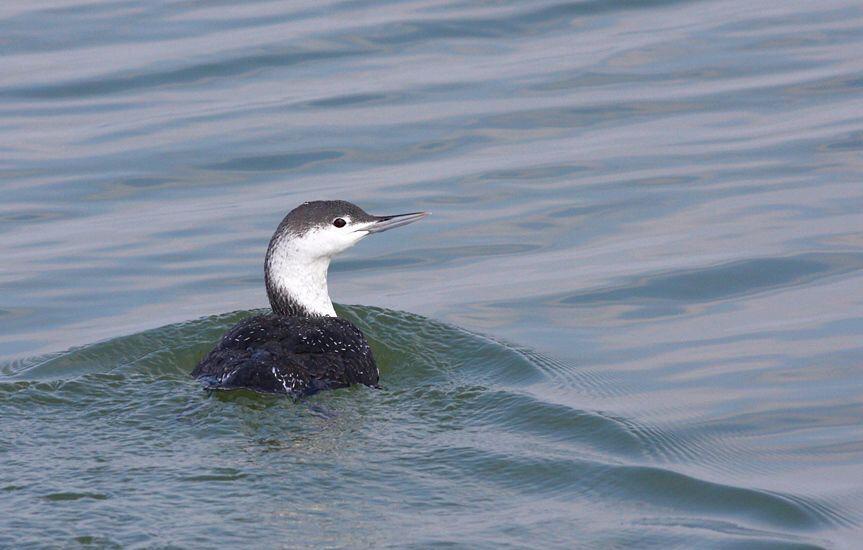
(636, 313)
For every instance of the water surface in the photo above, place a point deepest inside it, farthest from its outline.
(636, 313)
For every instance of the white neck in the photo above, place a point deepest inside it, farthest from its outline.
(297, 278)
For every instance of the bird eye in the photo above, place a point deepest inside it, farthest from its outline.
(338, 222)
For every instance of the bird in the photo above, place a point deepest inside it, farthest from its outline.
(302, 347)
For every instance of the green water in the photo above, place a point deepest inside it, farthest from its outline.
(461, 435)
(634, 318)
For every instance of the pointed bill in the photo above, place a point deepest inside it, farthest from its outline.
(384, 223)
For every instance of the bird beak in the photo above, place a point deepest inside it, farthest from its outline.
(383, 223)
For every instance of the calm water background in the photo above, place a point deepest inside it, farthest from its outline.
(635, 312)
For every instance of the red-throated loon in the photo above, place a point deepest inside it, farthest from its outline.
(302, 347)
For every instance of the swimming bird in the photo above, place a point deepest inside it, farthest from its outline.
(302, 347)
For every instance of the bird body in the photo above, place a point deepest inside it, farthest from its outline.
(289, 354)
(302, 347)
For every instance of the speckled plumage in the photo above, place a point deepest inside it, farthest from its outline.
(291, 355)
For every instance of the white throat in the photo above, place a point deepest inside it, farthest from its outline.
(297, 276)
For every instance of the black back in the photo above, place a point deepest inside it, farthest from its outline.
(291, 355)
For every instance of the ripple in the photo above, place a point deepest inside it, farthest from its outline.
(731, 280)
(234, 66)
(62, 497)
(287, 161)
(631, 485)
(216, 475)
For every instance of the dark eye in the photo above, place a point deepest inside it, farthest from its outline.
(338, 222)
